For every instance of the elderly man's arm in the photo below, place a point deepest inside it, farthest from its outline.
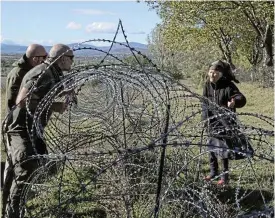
(58, 107)
(21, 97)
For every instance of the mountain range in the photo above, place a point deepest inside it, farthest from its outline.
(90, 50)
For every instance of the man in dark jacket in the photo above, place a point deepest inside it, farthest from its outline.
(34, 56)
(220, 90)
(43, 77)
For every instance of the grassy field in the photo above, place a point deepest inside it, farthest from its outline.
(259, 101)
(3, 113)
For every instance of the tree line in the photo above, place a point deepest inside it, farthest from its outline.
(192, 33)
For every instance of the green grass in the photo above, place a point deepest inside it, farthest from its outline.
(259, 101)
(3, 113)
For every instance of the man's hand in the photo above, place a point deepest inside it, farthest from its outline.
(59, 107)
(231, 104)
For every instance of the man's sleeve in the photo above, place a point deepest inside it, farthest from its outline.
(13, 86)
(28, 84)
(41, 82)
(29, 79)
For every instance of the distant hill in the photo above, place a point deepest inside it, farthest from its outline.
(116, 49)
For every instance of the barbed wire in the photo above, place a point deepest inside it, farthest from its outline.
(132, 144)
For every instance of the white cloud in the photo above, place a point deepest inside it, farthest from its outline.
(77, 40)
(28, 41)
(41, 41)
(47, 42)
(93, 12)
(99, 43)
(73, 26)
(137, 32)
(101, 27)
(7, 41)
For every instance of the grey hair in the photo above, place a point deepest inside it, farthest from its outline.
(58, 50)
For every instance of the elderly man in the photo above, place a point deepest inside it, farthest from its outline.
(44, 77)
(35, 55)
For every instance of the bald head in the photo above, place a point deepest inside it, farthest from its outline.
(60, 49)
(35, 54)
(35, 50)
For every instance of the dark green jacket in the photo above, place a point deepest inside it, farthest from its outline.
(44, 78)
(14, 79)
